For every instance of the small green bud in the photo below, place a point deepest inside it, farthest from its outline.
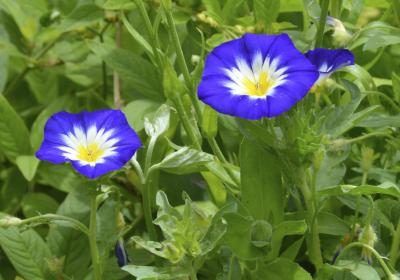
(9, 221)
(261, 233)
(210, 122)
(367, 158)
(368, 237)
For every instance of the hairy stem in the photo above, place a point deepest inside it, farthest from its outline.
(117, 82)
(93, 238)
(46, 219)
(385, 268)
(150, 32)
(314, 244)
(181, 61)
(394, 249)
(322, 22)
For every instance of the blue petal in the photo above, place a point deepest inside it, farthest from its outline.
(328, 61)
(63, 123)
(213, 91)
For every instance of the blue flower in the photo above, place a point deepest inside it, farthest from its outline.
(327, 61)
(94, 142)
(256, 76)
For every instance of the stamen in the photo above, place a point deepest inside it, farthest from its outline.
(262, 85)
(90, 153)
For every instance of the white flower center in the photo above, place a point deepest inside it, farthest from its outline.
(88, 147)
(256, 80)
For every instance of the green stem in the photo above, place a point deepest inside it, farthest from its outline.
(148, 217)
(313, 240)
(46, 219)
(217, 151)
(181, 60)
(149, 154)
(322, 22)
(396, 10)
(185, 122)
(151, 33)
(92, 238)
(386, 98)
(365, 136)
(193, 273)
(147, 192)
(385, 268)
(394, 249)
(336, 6)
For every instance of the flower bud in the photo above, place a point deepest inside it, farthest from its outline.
(340, 35)
(368, 237)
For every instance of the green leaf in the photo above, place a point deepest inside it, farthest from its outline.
(283, 229)
(27, 252)
(107, 229)
(81, 17)
(266, 11)
(385, 188)
(60, 177)
(331, 224)
(216, 188)
(281, 269)
(137, 111)
(44, 85)
(238, 237)
(160, 123)
(293, 250)
(67, 242)
(14, 136)
(379, 121)
(183, 161)
(152, 273)
(118, 5)
(210, 122)
(262, 190)
(26, 14)
(12, 191)
(4, 58)
(137, 36)
(135, 70)
(360, 270)
(28, 166)
(34, 204)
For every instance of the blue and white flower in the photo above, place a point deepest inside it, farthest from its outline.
(95, 143)
(328, 61)
(256, 76)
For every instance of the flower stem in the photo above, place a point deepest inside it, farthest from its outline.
(181, 60)
(48, 218)
(314, 246)
(92, 238)
(147, 190)
(394, 249)
(336, 6)
(117, 81)
(217, 151)
(148, 217)
(185, 122)
(385, 268)
(322, 22)
(150, 32)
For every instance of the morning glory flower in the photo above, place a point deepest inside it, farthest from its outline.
(256, 76)
(328, 61)
(95, 143)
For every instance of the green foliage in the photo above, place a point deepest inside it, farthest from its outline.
(281, 198)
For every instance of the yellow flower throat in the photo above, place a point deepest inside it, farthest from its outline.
(90, 153)
(263, 84)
